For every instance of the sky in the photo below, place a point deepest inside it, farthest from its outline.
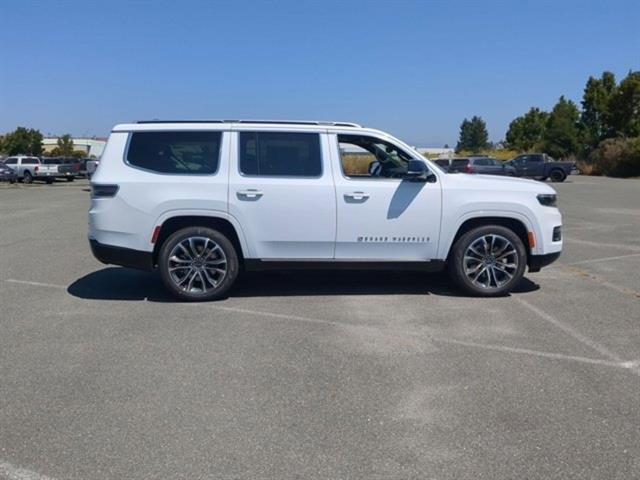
(415, 69)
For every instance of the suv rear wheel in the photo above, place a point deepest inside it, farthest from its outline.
(488, 261)
(198, 264)
(27, 178)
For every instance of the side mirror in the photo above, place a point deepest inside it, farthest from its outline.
(417, 171)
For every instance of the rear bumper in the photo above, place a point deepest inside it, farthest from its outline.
(125, 257)
(536, 262)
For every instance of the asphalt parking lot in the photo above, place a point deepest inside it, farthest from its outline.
(328, 375)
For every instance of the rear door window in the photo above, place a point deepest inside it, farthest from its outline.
(280, 154)
(175, 152)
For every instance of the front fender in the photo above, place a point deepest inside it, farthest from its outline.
(449, 233)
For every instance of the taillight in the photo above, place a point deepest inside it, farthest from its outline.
(104, 191)
(36, 169)
(468, 169)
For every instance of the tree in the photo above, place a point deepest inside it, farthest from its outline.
(473, 135)
(625, 106)
(562, 134)
(65, 146)
(596, 112)
(526, 132)
(22, 141)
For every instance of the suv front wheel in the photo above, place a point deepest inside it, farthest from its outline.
(198, 264)
(488, 261)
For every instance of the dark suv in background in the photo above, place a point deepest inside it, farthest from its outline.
(483, 165)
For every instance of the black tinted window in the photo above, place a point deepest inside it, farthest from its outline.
(481, 162)
(175, 152)
(535, 158)
(29, 161)
(11, 161)
(459, 163)
(280, 154)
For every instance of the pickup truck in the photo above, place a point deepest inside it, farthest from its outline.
(542, 166)
(67, 167)
(28, 169)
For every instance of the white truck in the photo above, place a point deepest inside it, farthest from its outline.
(198, 201)
(29, 168)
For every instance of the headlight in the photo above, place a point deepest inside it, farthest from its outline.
(548, 199)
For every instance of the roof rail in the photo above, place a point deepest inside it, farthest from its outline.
(265, 122)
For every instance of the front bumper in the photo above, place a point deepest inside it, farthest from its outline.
(125, 257)
(536, 262)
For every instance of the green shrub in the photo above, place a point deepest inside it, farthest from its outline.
(617, 157)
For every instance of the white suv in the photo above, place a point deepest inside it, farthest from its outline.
(201, 200)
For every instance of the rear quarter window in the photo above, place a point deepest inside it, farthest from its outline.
(182, 152)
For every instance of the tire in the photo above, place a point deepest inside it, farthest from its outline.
(27, 177)
(557, 175)
(202, 281)
(498, 270)
(70, 179)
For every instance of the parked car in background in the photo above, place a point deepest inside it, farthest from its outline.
(83, 167)
(29, 169)
(7, 174)
(542, 166)
(482, 165)
(68, 167)
(444, 163)
(91, 167)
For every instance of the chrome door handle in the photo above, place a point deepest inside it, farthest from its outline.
(250, 193)
(357, 195)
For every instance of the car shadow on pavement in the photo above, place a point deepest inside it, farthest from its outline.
(115, 283)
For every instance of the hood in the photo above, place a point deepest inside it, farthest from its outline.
(496, 182)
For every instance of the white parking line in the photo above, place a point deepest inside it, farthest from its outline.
(619, 246)
(570, 331)
(11, 472)
(614, 360)
(536, 353)
(604, 259)
(35, 284)
(283, 316)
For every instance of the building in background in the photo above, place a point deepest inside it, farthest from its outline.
(92, 146)
(436, 152)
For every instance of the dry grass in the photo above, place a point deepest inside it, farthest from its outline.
(587, 168)
(356, 163)
(502, 154)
